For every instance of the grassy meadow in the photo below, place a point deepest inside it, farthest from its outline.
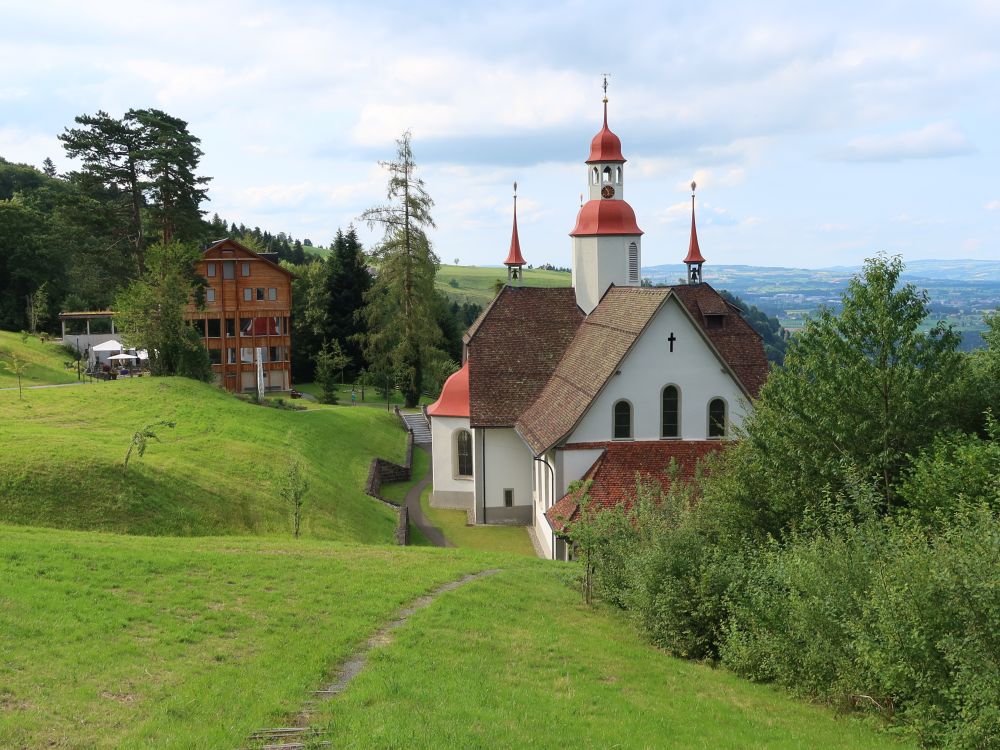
(134, 642)
(454, 524)
(46, 361)
(219, 471)
(476, 283)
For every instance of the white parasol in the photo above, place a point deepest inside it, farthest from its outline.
(107, 346)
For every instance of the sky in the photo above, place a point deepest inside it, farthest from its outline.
(819, 133)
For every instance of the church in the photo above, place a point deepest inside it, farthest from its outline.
(601, 381)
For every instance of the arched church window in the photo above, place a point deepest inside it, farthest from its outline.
(633, 262)
(623, 420)
(716, 418)
(607, 174)
(463, 444)
(670, 421)
(594, 176)
(618, 175)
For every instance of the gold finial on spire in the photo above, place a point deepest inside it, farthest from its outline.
(605, 86)
(581, 200)
(694, 185)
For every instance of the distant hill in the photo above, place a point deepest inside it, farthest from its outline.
(476, 284)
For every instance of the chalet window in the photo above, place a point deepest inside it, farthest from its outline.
(508, 497)
(215, 356)
(247, 294)
(230, 356)
(716, 418)
(210, 295)
(214, 328)
(246, 326)
(274, 326)
(246, 354)
(277, 354)
(230, 327)
(210, 270)
(260, 293)
(670, 425)
(272, 294)
(463, 445)
(229, 269)
(623, 420)
(244, 269)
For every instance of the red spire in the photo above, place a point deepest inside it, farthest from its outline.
(694, 252)
(606, 146)
(514, 257)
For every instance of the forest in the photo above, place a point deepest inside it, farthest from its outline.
(123, 232)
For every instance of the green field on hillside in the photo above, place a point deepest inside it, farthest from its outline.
(135, 642)
(46, 361)
(454, 524)
(218, 472)
(476, 283)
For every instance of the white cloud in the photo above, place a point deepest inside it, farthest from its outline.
(937, 140)
(993, 206)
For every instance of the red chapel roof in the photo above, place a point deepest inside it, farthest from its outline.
(454, 398)
(614, 472)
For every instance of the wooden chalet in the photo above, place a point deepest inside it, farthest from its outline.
(246, 318)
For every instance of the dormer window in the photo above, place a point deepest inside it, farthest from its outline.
(715, 321)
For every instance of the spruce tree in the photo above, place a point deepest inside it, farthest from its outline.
(348, 280)
(400, 305)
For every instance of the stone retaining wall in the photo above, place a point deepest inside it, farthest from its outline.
(381, 471)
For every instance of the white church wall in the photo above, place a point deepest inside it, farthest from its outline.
(450, 490)
(599, 262)
(544, 498)
(507, 465)
(574, 464)
(692, 367)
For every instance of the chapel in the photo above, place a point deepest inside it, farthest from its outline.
(604, 380)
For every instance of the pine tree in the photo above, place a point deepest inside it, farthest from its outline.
(400, 309)
(348, 281)
(49, 167)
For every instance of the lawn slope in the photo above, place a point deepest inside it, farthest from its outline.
(135, 642)
(476, 284)
(218, 472)
(46, 361)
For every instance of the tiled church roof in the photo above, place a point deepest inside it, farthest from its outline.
(605, 338)
(614, 473)
(736, 341)
(513, 349)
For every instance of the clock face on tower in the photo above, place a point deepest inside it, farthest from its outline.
(607, 192)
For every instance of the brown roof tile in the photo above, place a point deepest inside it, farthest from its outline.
(738, 344)
(513, 349)
(606, 336)
(615, 472)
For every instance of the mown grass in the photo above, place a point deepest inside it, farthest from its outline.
(219, 471)
(477, 284)
(46, 361)
(516, 660)
(454, 524)
(137, 642)
(371, 395)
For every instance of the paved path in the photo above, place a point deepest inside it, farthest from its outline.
(412, 502)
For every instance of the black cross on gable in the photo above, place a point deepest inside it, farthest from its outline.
(671, 338)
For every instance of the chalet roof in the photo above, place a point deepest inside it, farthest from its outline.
(228, 241)
(607, 335)
(615, 471)
(513, 348)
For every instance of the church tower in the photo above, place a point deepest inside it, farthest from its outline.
(606, 239)
(515, 261)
